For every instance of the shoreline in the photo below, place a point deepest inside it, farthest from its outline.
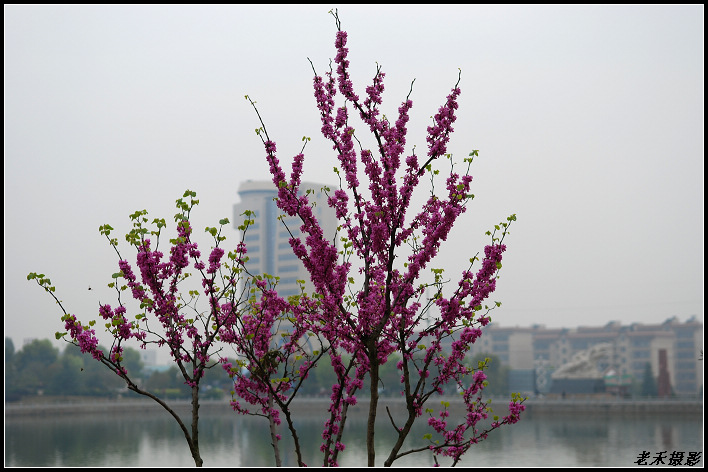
(41, 406)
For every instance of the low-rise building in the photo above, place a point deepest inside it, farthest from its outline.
(534, 353)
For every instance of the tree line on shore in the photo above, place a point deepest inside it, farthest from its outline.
(40, 368)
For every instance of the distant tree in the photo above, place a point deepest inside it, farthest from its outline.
(389, 377)
(11, 393)
(649, 387)
(167, 383)
(9, 349)
(133, 362)
(78, 374)
(497, 373)
(68, 376)
(38, 351)
(32, 364)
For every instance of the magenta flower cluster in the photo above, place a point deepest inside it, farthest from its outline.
(369, 301)
(385, 314)
(84, 336)
(155, 287)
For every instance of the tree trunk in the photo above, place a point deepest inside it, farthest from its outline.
(373, 404)
(402, 434)
(193, 439)
(194, 445)
(293, 433)
(273, 432)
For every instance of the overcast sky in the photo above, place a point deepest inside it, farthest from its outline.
(589, 121)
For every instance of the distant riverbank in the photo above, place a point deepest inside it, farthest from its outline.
(39, 406)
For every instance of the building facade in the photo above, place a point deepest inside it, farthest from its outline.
(533, 353)
(267, 240)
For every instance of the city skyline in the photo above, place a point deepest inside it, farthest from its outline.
(526, 350)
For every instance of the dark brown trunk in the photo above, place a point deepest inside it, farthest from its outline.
(373, 404)
(194, 444)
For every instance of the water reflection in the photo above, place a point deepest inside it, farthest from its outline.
(154, 439)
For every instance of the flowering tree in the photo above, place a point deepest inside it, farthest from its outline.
(369, 300)
(167, 316)
(274, 341)
(265, 332)
(386, 311)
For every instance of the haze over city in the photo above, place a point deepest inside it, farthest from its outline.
(588, 121)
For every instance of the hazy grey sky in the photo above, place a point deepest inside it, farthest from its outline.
(589, 121)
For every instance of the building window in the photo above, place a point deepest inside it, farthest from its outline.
(287, 280)
(284, 233)
(686, 386)
(685, 376)
(684, 365)
(289, 292)
(578, 345)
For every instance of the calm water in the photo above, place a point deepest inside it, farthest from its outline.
(154, 439)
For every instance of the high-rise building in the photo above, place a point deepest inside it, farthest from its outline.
(267, 240)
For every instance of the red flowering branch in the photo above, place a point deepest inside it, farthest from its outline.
(387, 313)
(166, 316)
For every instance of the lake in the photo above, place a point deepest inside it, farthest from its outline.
(151, 438)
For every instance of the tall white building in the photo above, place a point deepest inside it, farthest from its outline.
(267, 240)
